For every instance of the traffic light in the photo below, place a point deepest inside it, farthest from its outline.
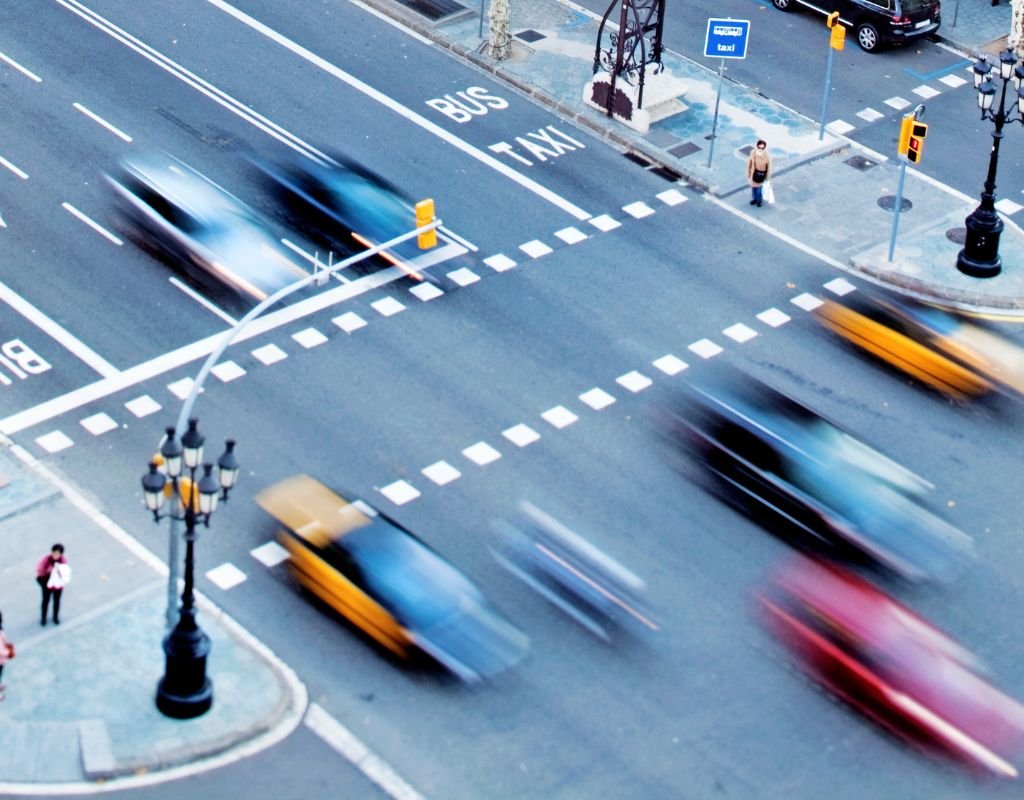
(837, 39)
(831, 19)
(424, 216)
(905, 127)
(915, 145)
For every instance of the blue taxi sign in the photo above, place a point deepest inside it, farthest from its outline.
(727, 38)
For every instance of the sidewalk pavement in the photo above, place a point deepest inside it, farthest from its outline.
(80, 714)
(833, 196)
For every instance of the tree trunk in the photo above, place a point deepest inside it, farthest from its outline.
(500, 42)
(1016, 40)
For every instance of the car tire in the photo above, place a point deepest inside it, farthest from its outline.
(784, 5)
(868, 37)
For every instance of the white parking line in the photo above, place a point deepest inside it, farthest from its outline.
(99, 120)
(91, 223)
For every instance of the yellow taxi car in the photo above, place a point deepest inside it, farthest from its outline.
(958, 357)
(388, 582)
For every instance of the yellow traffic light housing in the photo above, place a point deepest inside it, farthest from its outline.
(424, 216)
(915, 144)
(832, 19)
(905, 127)
(837, 40)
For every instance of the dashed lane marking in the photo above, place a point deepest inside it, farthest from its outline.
(604, 223)
(597, 398)
(535, 248)
(927, 92)
(773, 317)
(269, 354)
(670, 364)
(952, 81)
(634, 381)
(91, 223)
(1008, 206)
(638, 210)
(671, 197)
(400, 492)
(898, 103)
(309, 338)
(740, 333)
(559, 417)
(425, 291)
(54, 442)
(808, 302)
(270, 554)
(24, 71)
(98, 424)
(499, 262)
(227, 371)
(226, 576)
(143, 406)
(521, 435)
(387, 306)
(463, 276)
(349, 321)
(181, 388)
(481, 453)
(870, 115)
(16, 170)
(840, 286)
(102, 122)
(571, 235)
(839, 126)
(705, 348)
(441, 472)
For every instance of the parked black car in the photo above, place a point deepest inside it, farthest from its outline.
(877, 23)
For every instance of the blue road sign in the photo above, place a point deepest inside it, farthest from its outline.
(727, 38)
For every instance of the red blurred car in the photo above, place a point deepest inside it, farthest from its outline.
(893, 666)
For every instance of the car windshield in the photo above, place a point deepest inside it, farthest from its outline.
(915, 6)
(412, 581)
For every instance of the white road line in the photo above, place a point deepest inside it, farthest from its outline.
(21, 69)
(201, 348)
(57, 332)
(20, 173)
(343, 741)
(99, 120)
(2, 223)
(456, 238)
(208, 305)
(91, 223)
(315, 259)
(407, 113)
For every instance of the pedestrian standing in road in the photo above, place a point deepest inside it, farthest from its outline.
(53, 573)
(759, 171)
(6, 653)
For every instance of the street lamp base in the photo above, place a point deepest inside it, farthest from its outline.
(978, 269)
(185, 706)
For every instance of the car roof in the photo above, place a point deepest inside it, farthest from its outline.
(185, 186)
(312, 511)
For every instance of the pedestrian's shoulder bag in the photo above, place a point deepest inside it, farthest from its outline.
(10, 650)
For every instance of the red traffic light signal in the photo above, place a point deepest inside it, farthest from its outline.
(915, 145)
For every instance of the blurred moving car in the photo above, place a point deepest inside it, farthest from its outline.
(894, 667)
(387, 582)
(877, 23)
(199, 224)
(945, 351)
(775, 455)
(572, 574)
(350, 208)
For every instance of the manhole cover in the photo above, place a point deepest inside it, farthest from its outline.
(861, 163)
(888, 202)
(530, 36)
(957, 235)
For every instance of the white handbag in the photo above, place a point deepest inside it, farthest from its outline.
(769, 193)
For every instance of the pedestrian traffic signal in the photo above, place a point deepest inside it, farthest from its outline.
(424, 216)
(915, 145)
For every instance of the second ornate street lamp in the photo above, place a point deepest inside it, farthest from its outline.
(979, 257)
(184, 690)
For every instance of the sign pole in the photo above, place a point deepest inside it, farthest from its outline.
(714, 123)
(896, 211)
(828, 91)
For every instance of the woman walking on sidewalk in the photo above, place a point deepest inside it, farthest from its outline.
(6, 652)
(759, 171)
(52, 574)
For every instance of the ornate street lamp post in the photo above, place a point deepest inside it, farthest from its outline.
(184, 690)
(979, 257)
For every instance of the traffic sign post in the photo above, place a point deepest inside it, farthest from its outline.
(725, 38)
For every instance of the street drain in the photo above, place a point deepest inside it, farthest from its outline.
(861, 163)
